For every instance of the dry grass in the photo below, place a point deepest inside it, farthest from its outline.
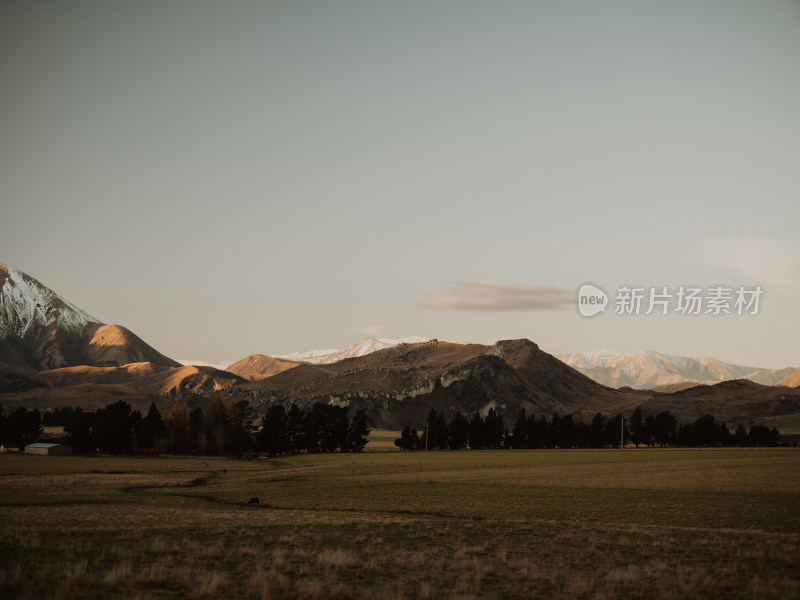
(593, 525)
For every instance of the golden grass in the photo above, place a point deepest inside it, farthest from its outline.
(647, 524)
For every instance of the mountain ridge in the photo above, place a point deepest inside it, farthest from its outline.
(650, 369)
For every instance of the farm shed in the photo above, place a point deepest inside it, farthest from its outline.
(48, 449)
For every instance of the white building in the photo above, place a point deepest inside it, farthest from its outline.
(48, 449)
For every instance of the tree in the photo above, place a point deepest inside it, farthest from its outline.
(740, 437)
(273, 438)
(648, 430)
(197, 436)
(151, 430)
(177, 428)
(519, 435)
(637, 426)
(295, 436)
(761, 435)
(493, 428)
(215, 419)
(358, 433)
(78, 427)
(459, 432)
(477, 432)
(23, 426)
(407, 440)
(665, 429)
(239, 433)
(568, 430)
(596, 431)
(113, 429)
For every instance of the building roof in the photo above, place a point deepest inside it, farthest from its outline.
(40, 445)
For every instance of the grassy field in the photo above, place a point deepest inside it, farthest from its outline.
(503, 524)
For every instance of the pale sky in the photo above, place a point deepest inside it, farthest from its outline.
(270, 177)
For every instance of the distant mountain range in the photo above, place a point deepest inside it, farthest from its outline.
(654, 370)
(360, 348)
(259, 366)
(52, 353)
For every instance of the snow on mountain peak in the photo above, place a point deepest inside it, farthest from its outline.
(28, 307)
(649, 369)
(361, 348)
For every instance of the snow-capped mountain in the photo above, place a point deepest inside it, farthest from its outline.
(40, 330)
(650, 369)
(360, 348)
(27, 308)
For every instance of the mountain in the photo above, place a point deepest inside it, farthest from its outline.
(650, 369)
(40, 330)
(52, 353)
(361, 348)
(733, 402)
(91, 387)
(400, 384)
(792, 380)
(258, 366)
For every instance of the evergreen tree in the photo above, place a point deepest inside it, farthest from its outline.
(239, 432)
(637, 426)
(477, 432)
(740, 437)
(665, 429)
(23, 426)
(459, 432)
(151, 430)
(648, 430)
(273, 438)
(519, 435)
(295, 434)
(404, 441)
(113, 429)
(78, 427)
(597, 431)
(493, 429)
(358, 435)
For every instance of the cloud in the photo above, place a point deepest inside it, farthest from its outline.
(770, 262)
(473, 295)
(372, 330)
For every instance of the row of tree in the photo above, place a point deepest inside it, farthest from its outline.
(20, 427)
(662, 430)
(219, 427)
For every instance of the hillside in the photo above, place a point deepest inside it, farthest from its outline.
(399, 385)
(40, 331)
(737, 401)
(259, 366)
(656, 370)
(139, 384)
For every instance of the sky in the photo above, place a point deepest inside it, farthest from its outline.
(270, 177)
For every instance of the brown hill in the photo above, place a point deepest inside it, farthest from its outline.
(399, 385)
(258, 366)
(40, 331)
(737, 401)
(90, 387)
(792, 380)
